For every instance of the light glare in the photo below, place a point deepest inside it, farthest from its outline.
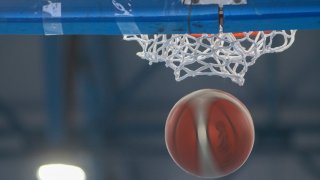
(60, 172)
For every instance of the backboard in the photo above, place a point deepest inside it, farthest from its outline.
(114, 17)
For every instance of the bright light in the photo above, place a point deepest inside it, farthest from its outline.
(60, 172)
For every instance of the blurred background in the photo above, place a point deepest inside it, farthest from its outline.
(90, 101)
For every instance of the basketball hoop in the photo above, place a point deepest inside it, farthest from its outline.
(228, 55)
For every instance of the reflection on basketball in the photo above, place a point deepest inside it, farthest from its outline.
(209, 133)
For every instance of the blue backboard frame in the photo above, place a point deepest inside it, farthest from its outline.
(97, 17)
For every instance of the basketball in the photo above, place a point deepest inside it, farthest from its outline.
(209, 133)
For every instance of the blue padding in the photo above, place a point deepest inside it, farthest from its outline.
(157, 16)
(272, 15)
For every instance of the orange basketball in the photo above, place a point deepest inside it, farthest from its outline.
(209, 133)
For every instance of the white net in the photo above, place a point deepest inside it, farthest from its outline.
(224, 54)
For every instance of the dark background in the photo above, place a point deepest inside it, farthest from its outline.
(90, 101)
